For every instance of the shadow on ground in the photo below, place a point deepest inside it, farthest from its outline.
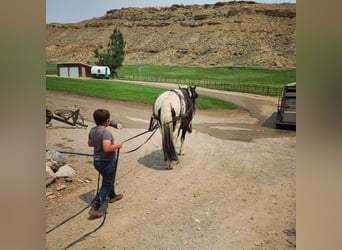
(271, 123)
(88, 197)
(153, 160)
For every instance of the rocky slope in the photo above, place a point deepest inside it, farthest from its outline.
(222, 34)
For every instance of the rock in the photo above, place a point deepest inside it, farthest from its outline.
(68, 179)
(55, 156)
(53, 165)
(87, 180)
(48, 194)
(60, 188)
(49, 176)
(65, 171)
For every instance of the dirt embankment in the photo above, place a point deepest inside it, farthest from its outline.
(239, 33)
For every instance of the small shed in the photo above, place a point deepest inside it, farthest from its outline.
(73, 69)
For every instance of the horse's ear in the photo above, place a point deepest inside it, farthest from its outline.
(179, 87)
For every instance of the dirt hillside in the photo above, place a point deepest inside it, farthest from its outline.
(222, 34)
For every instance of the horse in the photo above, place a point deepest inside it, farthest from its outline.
(171, 109)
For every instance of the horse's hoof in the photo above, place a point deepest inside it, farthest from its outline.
(168, 165)
(181, 153)
(174, 162)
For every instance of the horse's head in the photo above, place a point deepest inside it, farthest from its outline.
(192, 92)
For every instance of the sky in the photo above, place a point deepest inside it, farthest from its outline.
(73, 11)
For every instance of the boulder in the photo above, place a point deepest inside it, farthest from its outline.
(49, 176)
(57, 157)
(65, 171)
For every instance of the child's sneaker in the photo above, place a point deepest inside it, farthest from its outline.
(98, 208)
(115, 198)
(95, 213)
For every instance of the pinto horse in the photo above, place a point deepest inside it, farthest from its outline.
(171, 109)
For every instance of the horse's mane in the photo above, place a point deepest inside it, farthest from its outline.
(189, 102)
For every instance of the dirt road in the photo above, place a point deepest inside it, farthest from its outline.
(233, 189)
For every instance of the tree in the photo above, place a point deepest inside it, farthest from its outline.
(114, 54)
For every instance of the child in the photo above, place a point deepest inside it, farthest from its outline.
(104, 161)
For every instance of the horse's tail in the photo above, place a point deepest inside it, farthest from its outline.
(166, 120)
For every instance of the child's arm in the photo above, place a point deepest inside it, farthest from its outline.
(109, 147)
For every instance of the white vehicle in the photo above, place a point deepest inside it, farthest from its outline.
(102, 72)
(286, 114)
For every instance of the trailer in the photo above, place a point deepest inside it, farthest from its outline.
(100, 72)
(286, 111)
(71, 117)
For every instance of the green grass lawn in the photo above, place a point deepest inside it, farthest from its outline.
(269, 77)
(259, 81)
(251, 75)
(123, 91)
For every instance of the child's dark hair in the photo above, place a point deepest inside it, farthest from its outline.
(100, 116)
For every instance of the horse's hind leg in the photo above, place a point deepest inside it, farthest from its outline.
(181, 151)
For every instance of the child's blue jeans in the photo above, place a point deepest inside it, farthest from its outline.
(107, 169)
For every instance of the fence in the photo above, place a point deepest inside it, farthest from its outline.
(219, 85)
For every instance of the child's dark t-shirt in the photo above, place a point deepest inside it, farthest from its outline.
(97, 136)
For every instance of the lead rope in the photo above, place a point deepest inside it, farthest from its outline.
(130, 151)
(73, 216)
(87, 234)
(105, 214)
(155, 128)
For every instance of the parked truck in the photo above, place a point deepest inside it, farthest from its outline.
(100, 72)
(286, 112)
